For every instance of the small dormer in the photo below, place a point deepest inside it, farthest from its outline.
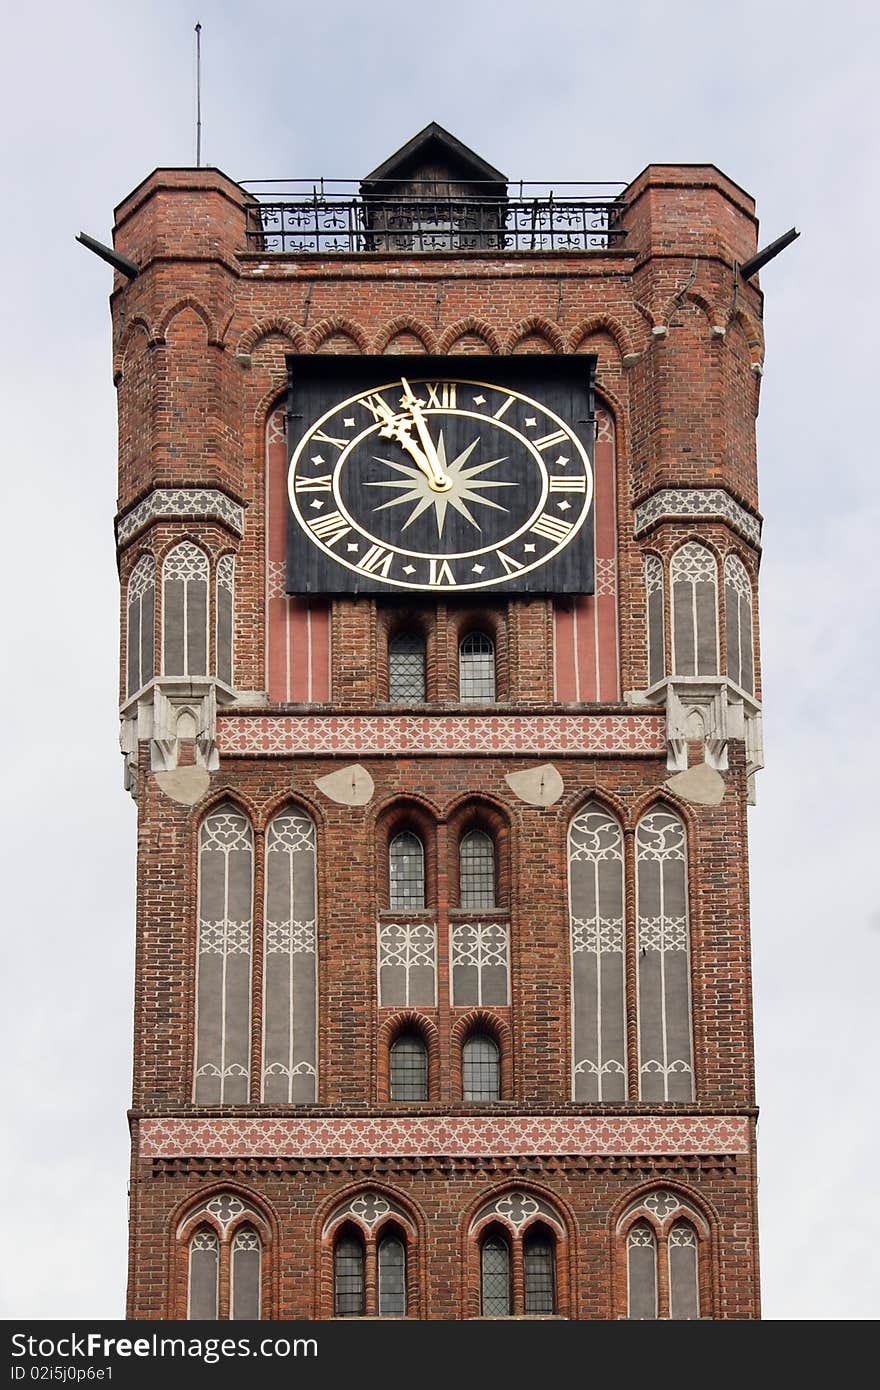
(434, 194)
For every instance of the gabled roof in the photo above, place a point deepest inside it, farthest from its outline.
(428, 144)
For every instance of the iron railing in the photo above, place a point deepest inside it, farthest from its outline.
(328, 218)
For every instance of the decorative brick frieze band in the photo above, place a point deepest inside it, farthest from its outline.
(207, 503)
(476, 1136)
(710, 504)
(359, 734)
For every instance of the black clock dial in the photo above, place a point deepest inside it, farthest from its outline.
(440, 482)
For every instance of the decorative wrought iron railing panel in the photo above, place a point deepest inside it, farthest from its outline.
(330, 220)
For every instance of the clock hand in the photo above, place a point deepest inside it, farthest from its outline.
(399, 427)
(438, 478)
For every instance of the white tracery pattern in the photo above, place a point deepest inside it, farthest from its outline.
(224, 938)
(185, 611)
(140, 623)
(738, 615)
(484, 947)
(661, 1204)
(595, 851)
(662, 940)
(517, 1208)
(142, 577)
(223, 987)
(290, 832)
(290, 984)
(653, 574)
(711, 503)
(683, 1234)
(640, 1236)
(275, 428)
(181, 502)
(246, 1239)
(288, 938)
(185, 562)
(407, 963)
(605, 578)
(225, 1207)
(693, 576)
(684, 1284)
(369, 1208)
(225, 831)
(226, 572)
(276, 578)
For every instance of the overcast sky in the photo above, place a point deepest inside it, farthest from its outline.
(782, 97)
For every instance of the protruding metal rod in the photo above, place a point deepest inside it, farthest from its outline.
(198, 96)
(758, 261)
(110, 256)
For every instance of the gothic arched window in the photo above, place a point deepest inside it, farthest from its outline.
(245, 1274)
(391, 1260)
(539, 1271)
(495, 1276)
(694, 580)
(476, 667)
(225, 617)
(476, 862)
(204, 1261)
(407, 668)
(656, 622)
(641, 1270)
(684, 1288)
(662, 943)
(223, 990)
(738, 614)
(185, 611)
(140, 612)
(290, 1008)
(406, 873)
(349, 1300)
(409, 1068)
(596, 905)
(480, 1068)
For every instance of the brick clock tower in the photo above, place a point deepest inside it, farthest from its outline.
(438, 547)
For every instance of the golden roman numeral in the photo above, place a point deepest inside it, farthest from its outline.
(511, 566)
(441, 394)
(503, 408)
(320, 437)
(321, 484)
(561, 484)
(552, 528)
(440, 573)
(548, 441)
(330, 528)
(377, 560)
(377, 407)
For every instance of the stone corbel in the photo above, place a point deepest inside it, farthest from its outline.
(184, 710)
(168, 712)
(710, 710)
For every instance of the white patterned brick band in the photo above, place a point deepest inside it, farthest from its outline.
(359, 735)
(181, 502)
(549, 1135)
(706, 503)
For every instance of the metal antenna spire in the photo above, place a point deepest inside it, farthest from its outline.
(198, 96)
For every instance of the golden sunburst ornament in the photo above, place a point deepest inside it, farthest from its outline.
(416, 488)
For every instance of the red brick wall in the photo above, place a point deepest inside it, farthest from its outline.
(199, 343)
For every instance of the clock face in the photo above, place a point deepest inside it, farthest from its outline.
(440, 480)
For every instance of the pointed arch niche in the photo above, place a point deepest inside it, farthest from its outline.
(587, 667)
(297, 629)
